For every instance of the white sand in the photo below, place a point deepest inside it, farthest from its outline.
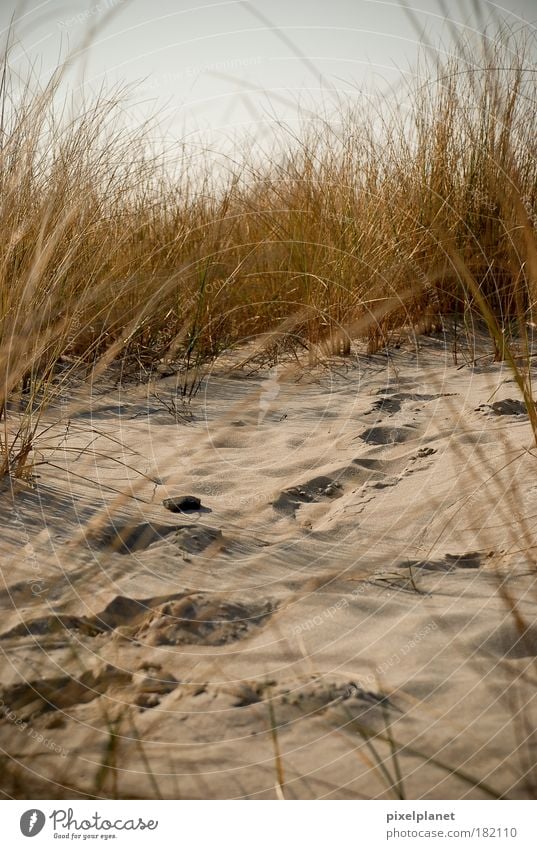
(280, 633)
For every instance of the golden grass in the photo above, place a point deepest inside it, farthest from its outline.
(353, 228)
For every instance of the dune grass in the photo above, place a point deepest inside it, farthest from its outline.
(353, 229)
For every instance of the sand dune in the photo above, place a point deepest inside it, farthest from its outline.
(351, 613)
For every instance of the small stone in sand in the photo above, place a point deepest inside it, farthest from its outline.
(182, 503)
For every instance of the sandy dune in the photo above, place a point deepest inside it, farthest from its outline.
(350, 614)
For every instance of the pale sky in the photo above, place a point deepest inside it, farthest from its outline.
(232, 64)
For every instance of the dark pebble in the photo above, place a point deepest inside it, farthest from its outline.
(182, 503)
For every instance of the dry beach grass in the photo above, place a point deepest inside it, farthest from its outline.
(332, 348)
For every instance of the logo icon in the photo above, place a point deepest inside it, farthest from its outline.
(32, 822)
(270, 391)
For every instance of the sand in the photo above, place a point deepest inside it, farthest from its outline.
(350, 614)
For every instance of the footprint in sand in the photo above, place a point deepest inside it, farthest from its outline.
(317, 489)
(386, 435)
(181, 618)
(507, 407)
(184, 618)
(392, 402)
(319, 697)
(33, 698)
(201, 620)
(128, 538)
(365, 472)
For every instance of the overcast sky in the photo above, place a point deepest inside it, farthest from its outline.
(232, 64)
